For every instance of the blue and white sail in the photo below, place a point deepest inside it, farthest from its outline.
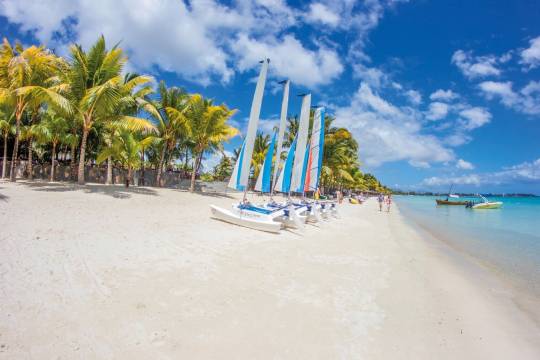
(239, 180)
(281, 133)
(264, 181)
(297, 184)
(316, 151)
(283, 183)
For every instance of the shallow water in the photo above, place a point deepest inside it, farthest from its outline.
(506, 239)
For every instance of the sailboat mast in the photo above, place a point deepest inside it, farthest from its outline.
(281, 132)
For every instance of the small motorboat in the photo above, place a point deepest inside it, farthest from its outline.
(485, 204)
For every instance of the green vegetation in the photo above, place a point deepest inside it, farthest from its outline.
(85, 106)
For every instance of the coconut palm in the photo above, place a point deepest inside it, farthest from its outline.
(260, 147)
(97, 90)
(206, 126)
(28, 78)
(6, 128)
(126, 148)
(52, 130)
(133, 92)
(169, 128)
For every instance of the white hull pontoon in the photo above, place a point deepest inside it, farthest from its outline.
(247, 218)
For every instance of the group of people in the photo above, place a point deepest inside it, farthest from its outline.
(384, 200)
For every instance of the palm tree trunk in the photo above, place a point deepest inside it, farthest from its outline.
(141, 181)
(128, 179)
(80, 173)
(4, 161)
(160, 166)
(73, 155)
(108, 180)
(194, 172)
(29, 167)
(15, 153)
(53, 155)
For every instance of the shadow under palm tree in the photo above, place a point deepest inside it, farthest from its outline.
(115, 191)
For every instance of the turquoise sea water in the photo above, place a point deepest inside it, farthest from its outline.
(506, 239)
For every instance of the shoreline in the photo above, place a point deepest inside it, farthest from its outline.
(525, 298)
(108, 272)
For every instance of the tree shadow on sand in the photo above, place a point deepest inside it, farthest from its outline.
(213, 194)
(116, 191)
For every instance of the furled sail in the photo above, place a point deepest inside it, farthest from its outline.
(298, 168)
(240, 177)
(282, 126)
(316, 151)
(265, 175)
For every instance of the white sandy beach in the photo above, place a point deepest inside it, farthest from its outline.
(100, 272)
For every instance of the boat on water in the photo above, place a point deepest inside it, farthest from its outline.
(485, 204)
(450, 202)
(447, 201)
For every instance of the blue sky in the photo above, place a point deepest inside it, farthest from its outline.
(436, 92)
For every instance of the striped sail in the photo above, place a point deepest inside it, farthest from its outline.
(243, 165)
(316, 150)
(282, 126)
(283, 183)
(265, 175)
(298, 168)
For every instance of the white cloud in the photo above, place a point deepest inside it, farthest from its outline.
(531, 55)
(289, 59)
(321, 13)
(526, 101)
(199, 41)
(373, 76)
(388, 133)
(524, 173)
(443, 95)
(437, 111)
(475, 117)
(414, 97)
(475, 66)
(464, 165)
(436, 181)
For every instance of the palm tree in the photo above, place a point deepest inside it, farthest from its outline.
(260, 147)
(6, 127)
(206, 126)
(28, 78)
(169, 128)
(126, 149)
(52, 130)
(133, 92)
(97, 90)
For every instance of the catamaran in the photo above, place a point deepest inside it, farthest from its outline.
(300, 172)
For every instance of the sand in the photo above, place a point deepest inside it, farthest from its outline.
(98, 272)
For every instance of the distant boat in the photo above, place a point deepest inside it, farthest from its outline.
(450, 202)
(485, 204)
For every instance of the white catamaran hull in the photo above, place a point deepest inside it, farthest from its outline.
(246, 218)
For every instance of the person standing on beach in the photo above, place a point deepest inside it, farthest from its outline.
(388, 202)
(381, 200)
